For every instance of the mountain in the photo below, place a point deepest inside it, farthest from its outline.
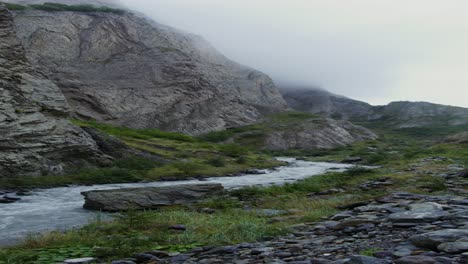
(36, 137)
(393, 115)
(318, 101)
(125, 69)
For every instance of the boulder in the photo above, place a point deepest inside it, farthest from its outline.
(432, 240)
(147, 198)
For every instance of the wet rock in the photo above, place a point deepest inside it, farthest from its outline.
(352, 160)
(79, 261)
(147, 198)
(123, 262)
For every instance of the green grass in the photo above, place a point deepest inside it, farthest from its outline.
(15, 7)
(135, 133)
(143, 231)
(183, 156)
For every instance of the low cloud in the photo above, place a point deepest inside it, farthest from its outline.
(377, 51)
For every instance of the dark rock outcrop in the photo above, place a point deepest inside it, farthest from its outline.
(147, 198)
(36, 137)
(130, 71)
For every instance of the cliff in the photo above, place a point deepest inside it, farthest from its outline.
(36, 137)
(127, 70)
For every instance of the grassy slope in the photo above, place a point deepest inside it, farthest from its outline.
(186, 157)
(140, 231)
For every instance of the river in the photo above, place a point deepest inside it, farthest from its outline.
(61, 208)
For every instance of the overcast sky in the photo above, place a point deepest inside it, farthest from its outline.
(372, 50)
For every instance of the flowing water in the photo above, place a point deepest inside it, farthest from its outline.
(61, 208)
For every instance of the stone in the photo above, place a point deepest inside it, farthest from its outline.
(454, 247)
(178, 227)
(147, 198)
(416, 260)
(366, 260)
(352, 160)
(417, 216)
(79, 261)
(432, 240)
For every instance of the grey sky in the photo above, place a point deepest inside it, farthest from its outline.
(373, 50)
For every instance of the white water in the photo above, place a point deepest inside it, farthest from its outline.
(61, 208)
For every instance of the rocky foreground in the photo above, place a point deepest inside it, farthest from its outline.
(401, 228)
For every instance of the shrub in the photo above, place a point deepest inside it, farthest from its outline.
(217, 162)
(233, 150)
(76, 8)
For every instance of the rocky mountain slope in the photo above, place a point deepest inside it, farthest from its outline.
(130, 71)
(36, 138)
(394, 115)
(296, 130)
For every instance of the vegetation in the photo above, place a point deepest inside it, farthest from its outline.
(182, 156)
(53, 7)
(15, 7)
(396, 151)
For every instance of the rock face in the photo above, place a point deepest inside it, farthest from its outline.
(394, 115)
(130, 71)
(320, 133)
(36, 137)
(147, 198)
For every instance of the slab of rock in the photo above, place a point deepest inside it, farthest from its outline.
(147, 198)
(454, 247)
(417, 216)
(432, 240)
(416, 260)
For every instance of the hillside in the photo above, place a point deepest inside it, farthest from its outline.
(127, 70)
(396, 115)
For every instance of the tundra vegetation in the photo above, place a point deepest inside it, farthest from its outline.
(230, 223)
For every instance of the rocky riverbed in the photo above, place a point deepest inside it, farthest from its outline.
(401, 228)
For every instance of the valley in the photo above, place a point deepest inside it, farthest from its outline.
(186, 156)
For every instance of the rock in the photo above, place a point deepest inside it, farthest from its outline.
(270, 212)
(128, 70)
(79, 261)
(36, 135)
(178, 227)
(352, 160)
(416, 260)
(123, 262)
(147, 198)
(366, 260)
(144, 258)
(6, 201)
(432, 240)
(314, 133)
(417, 216)
(11, 198)
(464, 174)
(454, 247)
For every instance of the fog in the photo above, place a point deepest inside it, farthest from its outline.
(375, 51)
